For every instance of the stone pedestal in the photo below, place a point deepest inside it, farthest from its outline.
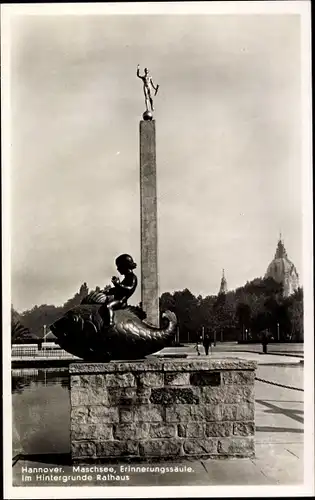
(162, 409)
(149, 259)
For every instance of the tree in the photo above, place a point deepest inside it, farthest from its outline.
(19, 333)
(206, 313)
(187, 312)
(296, 314)
(224, 316)
(15, 316)
(243, 317)
(186, 307)
(35, 318)
(167, 302)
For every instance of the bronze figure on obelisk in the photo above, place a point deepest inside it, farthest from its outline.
(148, 85)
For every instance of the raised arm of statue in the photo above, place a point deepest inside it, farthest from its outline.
(138, 72)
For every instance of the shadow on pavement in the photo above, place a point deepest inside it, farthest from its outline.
(281, 401)
(45, 458)
(278, 429)
(285, 411)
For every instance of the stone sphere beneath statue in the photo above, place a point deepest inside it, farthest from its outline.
(147, 115)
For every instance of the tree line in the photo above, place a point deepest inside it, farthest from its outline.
(36, 319)
(242, 314)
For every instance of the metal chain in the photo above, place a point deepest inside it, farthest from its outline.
(279, 385)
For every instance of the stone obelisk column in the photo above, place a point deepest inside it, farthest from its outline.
(149, 258)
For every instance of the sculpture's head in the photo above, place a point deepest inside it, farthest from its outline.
(125, 263)
(146, 71)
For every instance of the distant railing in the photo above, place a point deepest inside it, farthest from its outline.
(17, 352)
(29, 351)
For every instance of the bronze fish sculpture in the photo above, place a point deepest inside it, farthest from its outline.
(85, 331)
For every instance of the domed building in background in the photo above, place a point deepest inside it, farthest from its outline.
(282, 270)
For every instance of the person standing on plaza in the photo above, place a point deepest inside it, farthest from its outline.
(264, 340)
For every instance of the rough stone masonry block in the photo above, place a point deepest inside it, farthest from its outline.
(227, 394)
(123, 432)
(83, 449)
(237, 411)
(120, 380)
(117, 448)
(192, 413)
(142, 414)
(174, 395)
(238, 377)
(88, 390)
(244, 447)
(75, 380)
(128, 396)
(204, 378)
(79, 415)
(126, 415)
(99, 431)
(217, 429)
(200, 446)
(244, 428)
(189, 365)
(160, 448)
(151, 379)
(97, 414)
(79, 369)
(88, 380)
(177, 378)
(199, 364)
(160, 430)
(91, 395)
(151, 414)
(192, 430)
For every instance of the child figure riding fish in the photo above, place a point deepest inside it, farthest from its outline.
(118, 294)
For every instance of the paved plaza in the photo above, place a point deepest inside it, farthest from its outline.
(279, 435)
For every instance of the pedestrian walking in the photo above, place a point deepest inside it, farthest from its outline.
(197, 346)
(206, 343)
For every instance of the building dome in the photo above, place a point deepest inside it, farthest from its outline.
(283, 271)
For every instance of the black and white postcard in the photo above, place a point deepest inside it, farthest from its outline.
(157, 249)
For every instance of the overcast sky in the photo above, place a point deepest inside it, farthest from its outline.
(228, 148)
